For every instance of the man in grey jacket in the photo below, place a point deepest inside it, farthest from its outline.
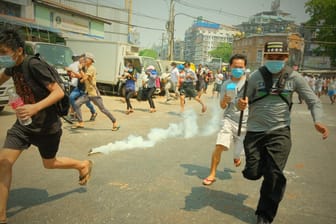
(268, 141)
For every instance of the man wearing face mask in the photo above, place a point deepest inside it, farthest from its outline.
(45, 130)
(268, 139)
(228, 133)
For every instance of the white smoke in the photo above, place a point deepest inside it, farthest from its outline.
(186, 129)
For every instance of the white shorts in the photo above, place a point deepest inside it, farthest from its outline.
(228, 137)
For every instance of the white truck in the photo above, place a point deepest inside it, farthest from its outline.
(4, 90)
(109, 61)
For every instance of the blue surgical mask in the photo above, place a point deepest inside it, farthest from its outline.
(274, 66)
(237, 72)
(6, 61)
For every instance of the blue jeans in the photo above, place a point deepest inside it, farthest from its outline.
(76, 93)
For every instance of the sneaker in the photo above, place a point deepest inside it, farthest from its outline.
(237, 162)
(93, 117)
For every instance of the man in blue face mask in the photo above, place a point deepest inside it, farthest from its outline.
(267, 142)
(228, 136)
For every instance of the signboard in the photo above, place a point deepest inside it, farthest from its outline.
(71, 23)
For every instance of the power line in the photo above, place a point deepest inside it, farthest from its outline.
(198, 7)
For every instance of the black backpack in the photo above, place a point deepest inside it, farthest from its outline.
(280, 85)
(62, 106)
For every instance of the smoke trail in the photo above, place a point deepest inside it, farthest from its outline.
(186, 129)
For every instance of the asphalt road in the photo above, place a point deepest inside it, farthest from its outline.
(152, 172)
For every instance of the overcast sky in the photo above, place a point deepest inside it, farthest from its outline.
(155, 13)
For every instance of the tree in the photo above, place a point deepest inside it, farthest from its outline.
(223, 51)
(149, 53)
(323, 22)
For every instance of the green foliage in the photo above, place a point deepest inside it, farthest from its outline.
(149, 53)
(323, 20)
(223, 51)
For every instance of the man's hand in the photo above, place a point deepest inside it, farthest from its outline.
(322, 129)
(26, 111)
(242, 103)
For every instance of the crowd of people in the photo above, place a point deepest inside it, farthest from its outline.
(322, 86)
(256, 113)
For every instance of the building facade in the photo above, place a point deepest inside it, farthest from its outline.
(203, 37)
(52, 20)
(252, 47)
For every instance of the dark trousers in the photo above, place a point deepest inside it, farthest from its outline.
(129, 94)
(266, 156)
(149, 97)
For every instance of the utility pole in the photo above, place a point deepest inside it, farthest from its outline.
(171, 31)
(128, 4)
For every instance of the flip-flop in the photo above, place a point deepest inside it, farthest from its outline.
(83, 180)
(116, 128)
(207, 181)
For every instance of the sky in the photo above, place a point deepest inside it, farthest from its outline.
(153, 14)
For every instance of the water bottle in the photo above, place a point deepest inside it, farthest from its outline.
(16, 101)
(231, 90)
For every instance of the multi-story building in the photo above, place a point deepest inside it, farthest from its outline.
(203, 37)
(273, 25)
(252, 47)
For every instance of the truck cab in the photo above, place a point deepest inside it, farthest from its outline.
(57, 55)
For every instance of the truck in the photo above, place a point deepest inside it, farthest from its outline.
(4, 91)
(109, 61)
(57, 55)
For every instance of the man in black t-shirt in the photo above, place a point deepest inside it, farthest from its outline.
(45, 130)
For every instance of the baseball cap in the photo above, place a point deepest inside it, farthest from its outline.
(90, 55)
(276, 47)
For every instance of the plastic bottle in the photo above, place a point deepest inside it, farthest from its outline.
(16, 101)
(231, 90)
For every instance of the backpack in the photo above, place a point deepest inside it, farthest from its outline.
(62, 106)
(268, 80)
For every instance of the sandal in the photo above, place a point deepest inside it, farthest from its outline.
(78, 125)
(116, 128)
(208, 181)
(83, 180)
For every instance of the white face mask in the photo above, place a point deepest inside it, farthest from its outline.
(274, 66)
